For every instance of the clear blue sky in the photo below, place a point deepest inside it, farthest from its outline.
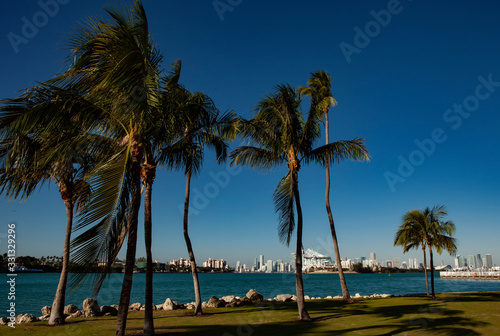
(401, 70)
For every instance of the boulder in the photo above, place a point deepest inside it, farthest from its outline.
(46, 310)
(135, 306)
(25, 318)
(91, 308)
(109, 310)
(294, 298)
(306, 297)
(159, 307)
(203, 304)
(329, 297)
(228, 298)
(254, 296)
(214, 302)
(357, 295)
(245, 301)
(168, 304)
(4, 320)
(284, 297)
(70, 309)
(78, 313)
(44, 318)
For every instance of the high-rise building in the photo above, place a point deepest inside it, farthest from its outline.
(479, 261)
(373, 256)
(410, 264)
(396, 263)
(388, 264)
(471, 261)
(255, 263)
(261, 261)
(489, 261)
(269, 266)
(462, 262)
(404, 265)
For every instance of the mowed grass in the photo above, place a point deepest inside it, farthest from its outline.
(450, 314)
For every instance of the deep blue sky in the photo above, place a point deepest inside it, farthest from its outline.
(394, 87)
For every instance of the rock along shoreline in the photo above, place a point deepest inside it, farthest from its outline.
(91, 307)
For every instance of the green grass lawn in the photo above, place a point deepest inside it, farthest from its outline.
(450, 314)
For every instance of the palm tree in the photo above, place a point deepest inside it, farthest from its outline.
(33, 153)
(428, 229)
(280, 135)
(201, 126)
(410, 235)
(322, 99)
(116, 66)
(439, 235)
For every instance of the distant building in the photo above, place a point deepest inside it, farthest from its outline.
(181, 262)
(471, 261)
(389, 264)
(373, 256)
(462, 262)
(479, 261)
(396, 263)
(216, 264)
(489, 261)
(261, 262)
(404, 265)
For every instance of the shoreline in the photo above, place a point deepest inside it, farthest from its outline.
(92, 309)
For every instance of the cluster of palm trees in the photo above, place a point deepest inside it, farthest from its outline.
(427, 229)
(100, 129)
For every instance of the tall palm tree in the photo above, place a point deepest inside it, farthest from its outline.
(116, 65)
(439, 235)
(428, 229)
(281, 135)
(410, 235)
(201, 125)
(320, 90)
(34, 153)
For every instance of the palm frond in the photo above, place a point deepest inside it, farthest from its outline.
(283, 198)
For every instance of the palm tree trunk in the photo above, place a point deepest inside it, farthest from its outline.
(148, 312)
(299, 284)
(425, 270)
(345, 292)
(432, 273)
(121, 320)
(196, 283)
(57, 311)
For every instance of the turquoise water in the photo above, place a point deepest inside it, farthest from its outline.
(35, 290)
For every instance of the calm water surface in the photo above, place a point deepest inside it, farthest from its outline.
(35, 290)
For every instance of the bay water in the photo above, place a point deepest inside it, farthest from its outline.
(35, 290)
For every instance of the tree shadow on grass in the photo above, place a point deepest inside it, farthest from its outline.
(469, 297)
(330, 318)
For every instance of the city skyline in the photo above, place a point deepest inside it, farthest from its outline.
(425, 100)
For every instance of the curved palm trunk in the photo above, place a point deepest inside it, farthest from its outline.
(432, 273)
(196, 283)
(299, 284)
(148, 312)
(57, 311)
(345, 292)
(425, 270)
(121, 320)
